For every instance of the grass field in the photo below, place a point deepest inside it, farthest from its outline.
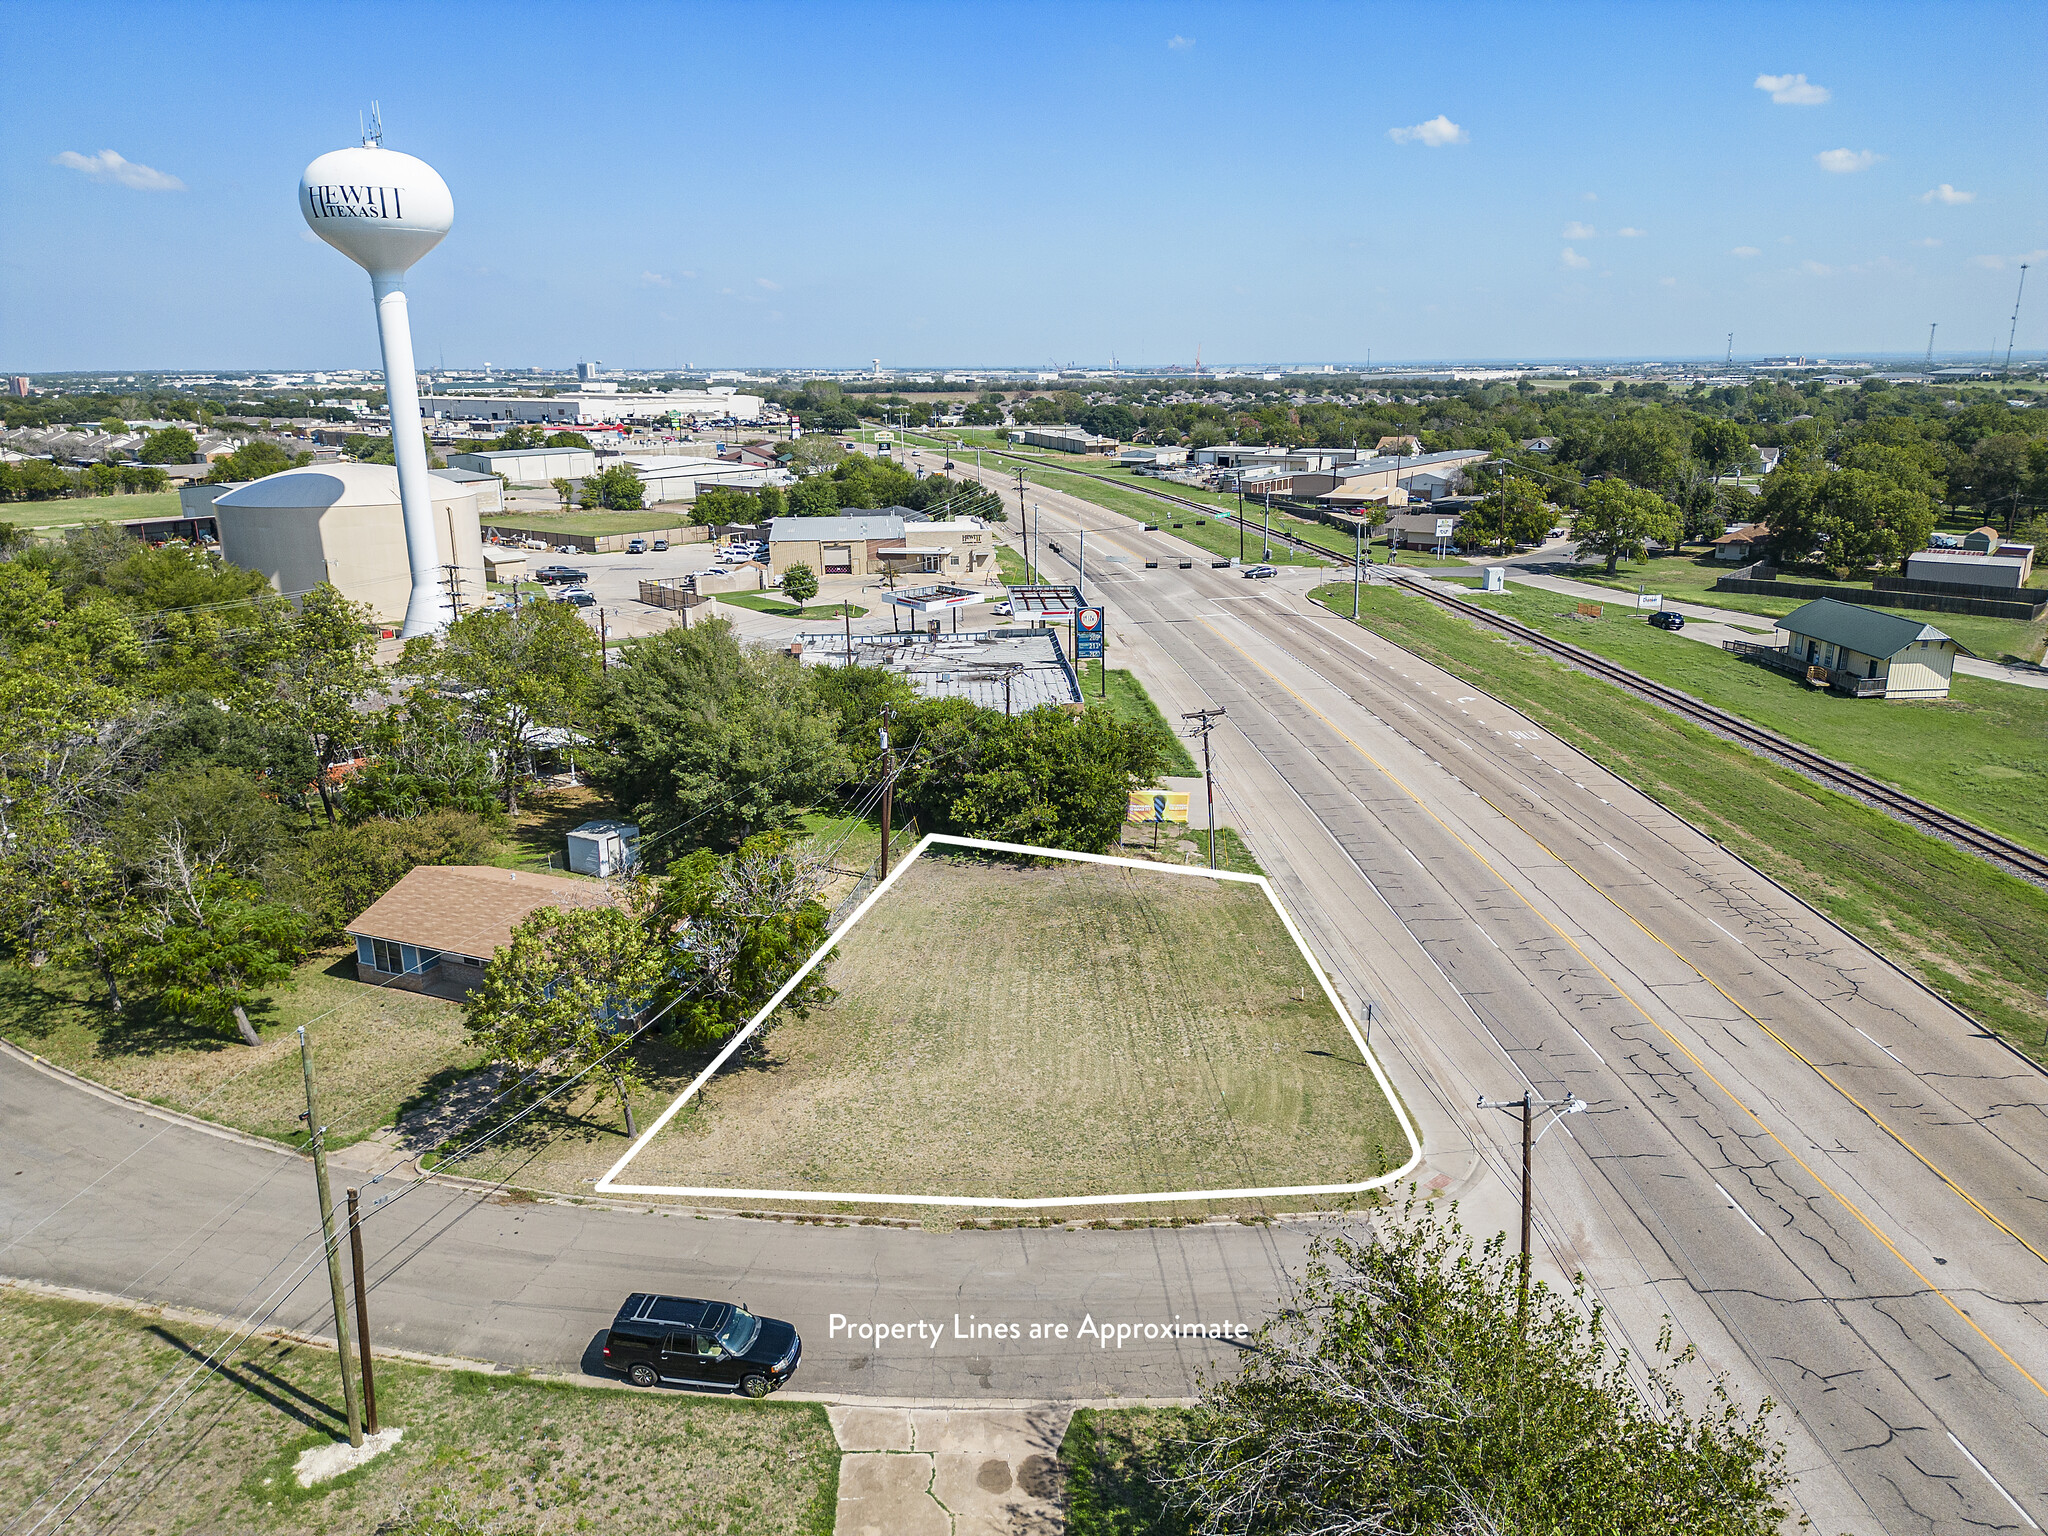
(89, 509)
(1016, 573)
(1128, 701)
(1976, 935)
(782, 608)
(1209, 533)
(1982, 752)
(1110, 1458)
(1691, 580)
(481, 1453)
(1062, 1030)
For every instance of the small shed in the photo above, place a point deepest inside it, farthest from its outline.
(1870, 653)
(604, 848)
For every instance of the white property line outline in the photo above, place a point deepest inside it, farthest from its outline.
(606, 1186)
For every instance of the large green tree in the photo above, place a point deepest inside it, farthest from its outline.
(708, 740)
(307, 668)
(1511, 512)
(515, 670)
(1616, 522)
(1405, 1390)
(169, 445)
(1847, 521)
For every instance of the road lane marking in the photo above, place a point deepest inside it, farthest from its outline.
(1885, 1048)
(1733, 1205)
(1994, 1482)
(1680, 1046)
(1717, 925)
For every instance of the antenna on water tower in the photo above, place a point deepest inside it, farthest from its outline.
(384, 211)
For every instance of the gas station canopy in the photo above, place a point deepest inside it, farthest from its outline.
(1045, 602)
(936, 599)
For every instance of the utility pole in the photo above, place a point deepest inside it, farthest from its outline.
(1240, 523)
(1357, 562)
(1528, 1104)
(604, 654)
(1206, 721)
(355, 1248)
(888, 782)
(341, 1340)
(1266, 530)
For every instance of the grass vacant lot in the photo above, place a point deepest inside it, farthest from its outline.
(376, 1050)
(1976, 935)
(1982, 752)
(89, 509)
(1129, 701)
(543, 524)
(480, 1454)
(1690, 580)
(1110, 1457)
(1066, 1029)
(783, 608)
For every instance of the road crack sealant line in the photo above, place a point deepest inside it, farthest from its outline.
(608, 1185)
(1842, 1200)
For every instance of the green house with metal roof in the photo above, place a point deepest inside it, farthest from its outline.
(1870, 653)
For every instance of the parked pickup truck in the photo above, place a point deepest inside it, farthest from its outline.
(548, 575)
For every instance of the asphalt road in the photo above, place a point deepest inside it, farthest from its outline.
(99, 1196)
(1822, 1176)
(1827, 1178)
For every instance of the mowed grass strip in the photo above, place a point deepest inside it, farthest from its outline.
(481, 1453)
(1973, 933)
(1982, 752)
(1052, 1031)
(62, 510)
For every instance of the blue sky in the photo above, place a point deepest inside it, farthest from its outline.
(661, 185)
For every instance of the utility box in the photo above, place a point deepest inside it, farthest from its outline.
(1496, 578)
(604, 848)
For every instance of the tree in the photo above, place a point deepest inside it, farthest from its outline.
(1848, 521)
(817, 496)
(709, 740)
(567, 440)
(770, 501)
(1404, 1390)
(514, 670)
(815, 451)
(169, 445)
(1616, 521)
(305, 670)
(224, 810)
(1642, 448)
(208, 942)
(719, 505)
(252, 461)
(514, 438)
(1997, 471)
(735, 929)
(1512, 511)
(616, 489)
(1719, 444)
(565, 490)
(346, 868)
(569, 990)
(428, 754)
(799, 584)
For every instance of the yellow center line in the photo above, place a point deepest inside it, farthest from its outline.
(1621, 992)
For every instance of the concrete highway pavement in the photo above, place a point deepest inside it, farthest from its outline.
(99, 1195)
(1822, 1173)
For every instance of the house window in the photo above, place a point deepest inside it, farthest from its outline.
(387, 956)
(1873, 668)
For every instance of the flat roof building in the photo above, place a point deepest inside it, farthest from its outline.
(1012, 670)
(529, 466)
(596, 407)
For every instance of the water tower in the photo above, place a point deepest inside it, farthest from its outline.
(384, 211)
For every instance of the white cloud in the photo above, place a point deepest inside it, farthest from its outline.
(1180, 44)
(1793, 90)
(1589, 197)
(108, 166)
(2000, 263)
(762, 282)
(1816, 269)
(1573, 259)
(1435, 133)
(1628, 232)
(1927, 244)
(1577, 231)
(1745, 252)
(1667, 282)
(656, 280)
(1947, 194)
(1842, 161)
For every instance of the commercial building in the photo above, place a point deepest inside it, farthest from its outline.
(680, 477)
(1431, 477)
(1063, 439)
(1013, 670)
(1965, 568)
(529, 466)
(601, 404)
(341, 523)
(1142, 456)
(875, 544)
(440, 925)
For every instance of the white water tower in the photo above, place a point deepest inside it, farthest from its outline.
(384, 211)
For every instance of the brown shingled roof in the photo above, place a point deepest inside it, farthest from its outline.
(469, 909)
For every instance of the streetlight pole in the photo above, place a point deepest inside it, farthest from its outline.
(1527, 1105)
(1357, 562)
(342, 1345)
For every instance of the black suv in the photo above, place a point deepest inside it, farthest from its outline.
(1667, 618)
(712, 1343)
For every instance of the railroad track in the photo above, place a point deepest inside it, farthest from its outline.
(2014, 858)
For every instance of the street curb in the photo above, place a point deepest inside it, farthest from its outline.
(205, 1319)
(143, 1106)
